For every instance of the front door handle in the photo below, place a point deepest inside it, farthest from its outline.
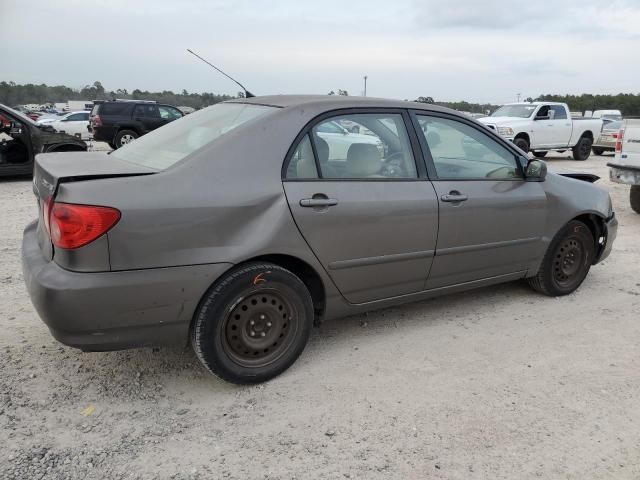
(318, 202)
(453, 197)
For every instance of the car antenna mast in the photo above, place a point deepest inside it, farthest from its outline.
(247, 93)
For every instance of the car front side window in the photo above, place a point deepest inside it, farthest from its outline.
(462, 152)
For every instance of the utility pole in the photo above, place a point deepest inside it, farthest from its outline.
(365, 85)
(519, 98)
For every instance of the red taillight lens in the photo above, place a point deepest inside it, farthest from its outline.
(73, 226)
(97, 121)
(619, 139)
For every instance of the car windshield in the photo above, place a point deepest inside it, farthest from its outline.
(521, 111)
(168, 145)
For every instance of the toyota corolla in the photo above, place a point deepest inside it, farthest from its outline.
(239, 227)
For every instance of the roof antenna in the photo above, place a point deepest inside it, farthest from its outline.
(247, 93)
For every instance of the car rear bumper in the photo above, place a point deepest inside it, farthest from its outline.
(114, 310)
(103, 134)
(626, 174)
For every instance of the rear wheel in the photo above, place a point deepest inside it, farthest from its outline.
(540, 154)
(582, 149)
(123, 137)
(567, 261)
(522, 144)
(597, 150)
(634, 197)
(253, 324)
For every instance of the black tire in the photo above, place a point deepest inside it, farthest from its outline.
(582, 150)
(253, 323)
(112, 145)
(522, 144)
(634, 198)
(123, 137)
(540, 154)
(567, 261)
(597, 150)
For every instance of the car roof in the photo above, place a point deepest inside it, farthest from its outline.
(535, 103)
(331, 102)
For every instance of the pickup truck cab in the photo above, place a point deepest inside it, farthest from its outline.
(625, 168)
(542, 126)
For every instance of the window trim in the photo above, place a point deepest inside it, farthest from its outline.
(414, 142)
(428, 158)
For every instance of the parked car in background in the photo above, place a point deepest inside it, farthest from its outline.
(625, 168)
(21, 139)
(608, 137)
(607, 114)
(233, 228)
(74, 123)
(542, 126)
(119, 122)
(338, 140)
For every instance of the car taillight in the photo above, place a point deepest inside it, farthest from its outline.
(73, 226)
(97, 121)
(619, 138)
(45, 214)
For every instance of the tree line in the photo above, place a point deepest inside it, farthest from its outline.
(13, 94)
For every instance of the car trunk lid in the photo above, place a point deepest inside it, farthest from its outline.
(52, 169)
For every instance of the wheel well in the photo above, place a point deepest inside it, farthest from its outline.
(596, 226)
(523, 135)
(304, 272)
(587, 134)
(68, 147)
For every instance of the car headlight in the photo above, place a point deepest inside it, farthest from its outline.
(506, 131)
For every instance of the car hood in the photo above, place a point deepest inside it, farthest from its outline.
(504, 121)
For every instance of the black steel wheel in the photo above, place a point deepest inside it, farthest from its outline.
(253, 323)
(582, 150)
(567, 261)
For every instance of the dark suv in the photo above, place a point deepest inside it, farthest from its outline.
(118, 122)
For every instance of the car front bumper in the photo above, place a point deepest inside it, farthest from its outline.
(609, 237)
(114, 310)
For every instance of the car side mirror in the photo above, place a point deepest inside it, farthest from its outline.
(536, 171)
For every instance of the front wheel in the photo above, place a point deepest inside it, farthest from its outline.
(582, 150)
(634, 197)
(567, 261)
(253, 324)
(522, 144)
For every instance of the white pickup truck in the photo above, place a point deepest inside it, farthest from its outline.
(542, 126)
(625, 168)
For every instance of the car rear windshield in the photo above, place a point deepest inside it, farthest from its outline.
(175, 141)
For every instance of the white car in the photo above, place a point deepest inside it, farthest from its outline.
(542, 126)
(340, 139)
(72, 123)
(625, 168)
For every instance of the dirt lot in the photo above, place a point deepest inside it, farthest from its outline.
(498, 383)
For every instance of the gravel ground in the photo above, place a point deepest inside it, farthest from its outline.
(496, 383)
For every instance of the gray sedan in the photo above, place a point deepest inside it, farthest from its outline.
(239, 227)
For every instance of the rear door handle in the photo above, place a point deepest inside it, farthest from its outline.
(318, 202)
(454, 197)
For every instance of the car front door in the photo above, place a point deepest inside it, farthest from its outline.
(76, 123)
(491, 220)
(371, 216)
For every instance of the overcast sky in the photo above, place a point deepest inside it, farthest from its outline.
(487, 50)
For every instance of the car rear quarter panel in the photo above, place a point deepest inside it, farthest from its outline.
(225, 204)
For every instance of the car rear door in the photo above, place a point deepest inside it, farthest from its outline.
(147, 116)
(370, 217)
(560, 126)
(491, 219)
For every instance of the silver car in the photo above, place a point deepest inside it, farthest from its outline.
(238, 228)
(606, 142)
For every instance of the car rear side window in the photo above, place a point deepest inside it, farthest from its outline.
(115, 108)
(175, 141)
(355, 147)
(461, 152)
